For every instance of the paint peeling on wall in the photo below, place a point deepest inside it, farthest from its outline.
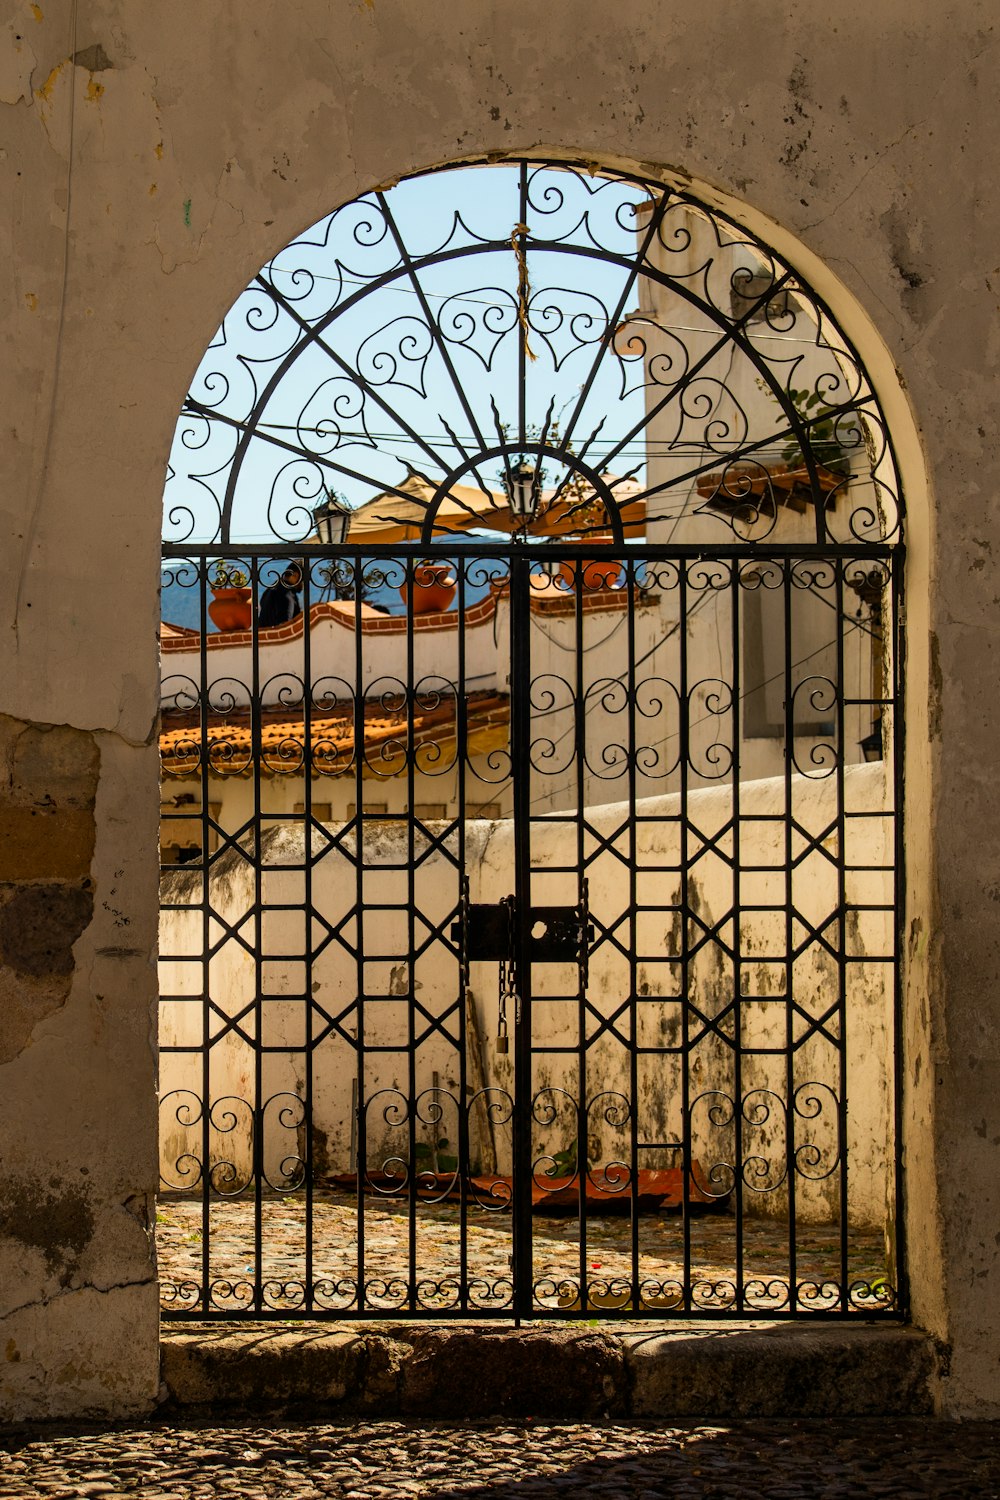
(48, 787)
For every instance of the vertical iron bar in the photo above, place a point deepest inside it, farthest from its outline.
(893, 633)
(411, 932)
(257, 750)
(360, 1163)
(842, 968)
(206, 944)
(580, 752)
(685, 925)
(631, 694)
(737, 665)
(520, 735)
(307, 859)
(464, 1039)
(789, 707)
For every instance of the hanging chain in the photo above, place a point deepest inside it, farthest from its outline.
(508, 982)
(503, 1041)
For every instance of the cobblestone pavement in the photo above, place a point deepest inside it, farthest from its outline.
(556, 1251)
(788, 1460)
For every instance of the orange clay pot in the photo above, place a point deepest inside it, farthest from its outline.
(598, 572)
(230, 610)
(434, 591)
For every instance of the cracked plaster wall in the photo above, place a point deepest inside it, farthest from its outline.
(151, 158)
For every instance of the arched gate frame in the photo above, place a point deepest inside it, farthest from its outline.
(530, 897)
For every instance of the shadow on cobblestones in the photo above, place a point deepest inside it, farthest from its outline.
(786, 1460)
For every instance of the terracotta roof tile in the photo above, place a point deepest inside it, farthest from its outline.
(228, 741)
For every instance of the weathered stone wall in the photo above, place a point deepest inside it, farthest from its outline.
(76, 1205)
(152, 157)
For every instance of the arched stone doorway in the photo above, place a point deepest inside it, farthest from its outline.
(624, 799)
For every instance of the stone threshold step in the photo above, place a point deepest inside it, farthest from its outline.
(456, 1372)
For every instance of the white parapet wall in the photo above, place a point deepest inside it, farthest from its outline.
(742, 981)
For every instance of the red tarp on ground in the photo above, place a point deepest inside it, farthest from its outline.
(658, 1191)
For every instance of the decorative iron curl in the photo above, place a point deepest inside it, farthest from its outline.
(498, 1103)
(226, 695)
(291, 1115)
(611, 1177)
(339, 1294)
(549, 692)
(480, 332)
(186, 1294)
(669, 366)
(396, 1170)
(867, 576)
(182, 573)
(320, 435)
(610, 1294)
(713, 1295)
(757, 1107)
(544, 757)
(719, 1179)
(223, 1291)
(407, 341)
(656, 1296)
(188, 1111)
(439, 1295)
(714, 760)
(807, 1104)
(327, 693)
(184, 1165)
(546, 1106)
(291, 517)
(818, 1294)
(549, 1291)
(872, 1295)
(491, 1295)
(822, 697)
(767, 1292)
(382, 1291)
(586, 326)
(283, 1296)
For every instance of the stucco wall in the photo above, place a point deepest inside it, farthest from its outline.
(146, 180)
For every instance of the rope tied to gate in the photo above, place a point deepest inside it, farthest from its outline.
(518, 236)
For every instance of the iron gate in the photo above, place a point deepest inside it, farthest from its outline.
(530, 878)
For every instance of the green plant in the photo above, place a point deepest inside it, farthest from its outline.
(228, 576)
(825, 433)
(431, 1155)
(346, 579)
(564, 1162)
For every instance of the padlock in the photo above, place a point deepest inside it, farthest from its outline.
(502, 1037)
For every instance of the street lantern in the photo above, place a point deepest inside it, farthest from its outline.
(871, 745)
(332, 520)
(522, 483)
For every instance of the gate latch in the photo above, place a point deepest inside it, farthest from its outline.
(556, 934)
